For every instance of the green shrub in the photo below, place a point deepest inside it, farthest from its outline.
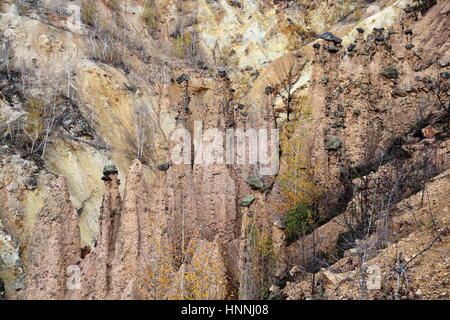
(149, 14)
(299, 222)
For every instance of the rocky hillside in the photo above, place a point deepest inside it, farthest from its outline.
(93, 205)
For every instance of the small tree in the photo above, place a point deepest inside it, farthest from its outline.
(287, 89)
(296, 174)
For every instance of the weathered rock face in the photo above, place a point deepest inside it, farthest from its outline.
(376, 278)
(119, 92)
(11, 262)
(374, 94)
(54, 247)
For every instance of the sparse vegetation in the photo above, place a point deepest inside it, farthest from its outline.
(89, 12)
(149, 14)
(299, 222)
(186, 46)
(113, 4)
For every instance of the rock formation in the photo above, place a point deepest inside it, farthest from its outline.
(357, 89)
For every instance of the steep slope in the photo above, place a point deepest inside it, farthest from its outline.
(81, 96)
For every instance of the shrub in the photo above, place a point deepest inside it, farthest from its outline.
(35, 119)
(89, 12)
(149, 14)
(299, 222)
(296, 175)
(113, 4)
(181, 45)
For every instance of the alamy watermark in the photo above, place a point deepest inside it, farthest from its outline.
(206, 147)
(232, 147)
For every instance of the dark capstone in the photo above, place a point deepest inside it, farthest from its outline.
(379, 37)
(351, 47)
(409, 46)
(106, 178)
(332, 49)
(328, 36)
(110, 169)
(222, 72)
(268, 90)
(360, 30)
(356, 112)
(324, 80)
(408, 9)
(241, 106)
(31, 183)
(255, 182)
(247, 201)
(183, 77)
(408, 32)
(378, 29)
(163, 166)
(390, 73)
(202, 65)
(445, 74)
(332, 143)
(316, 45)
(236, 4)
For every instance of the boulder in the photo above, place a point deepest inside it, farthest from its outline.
(247, 201)
(255, 182)
(222, 72)
(332, 143)
(30, 183)
(390, 73)
(163, 166)
(110, 169)
(328, 36)
(182, 78)
(269, 90)
(399, 92)
(380, 37)
(332, 49)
